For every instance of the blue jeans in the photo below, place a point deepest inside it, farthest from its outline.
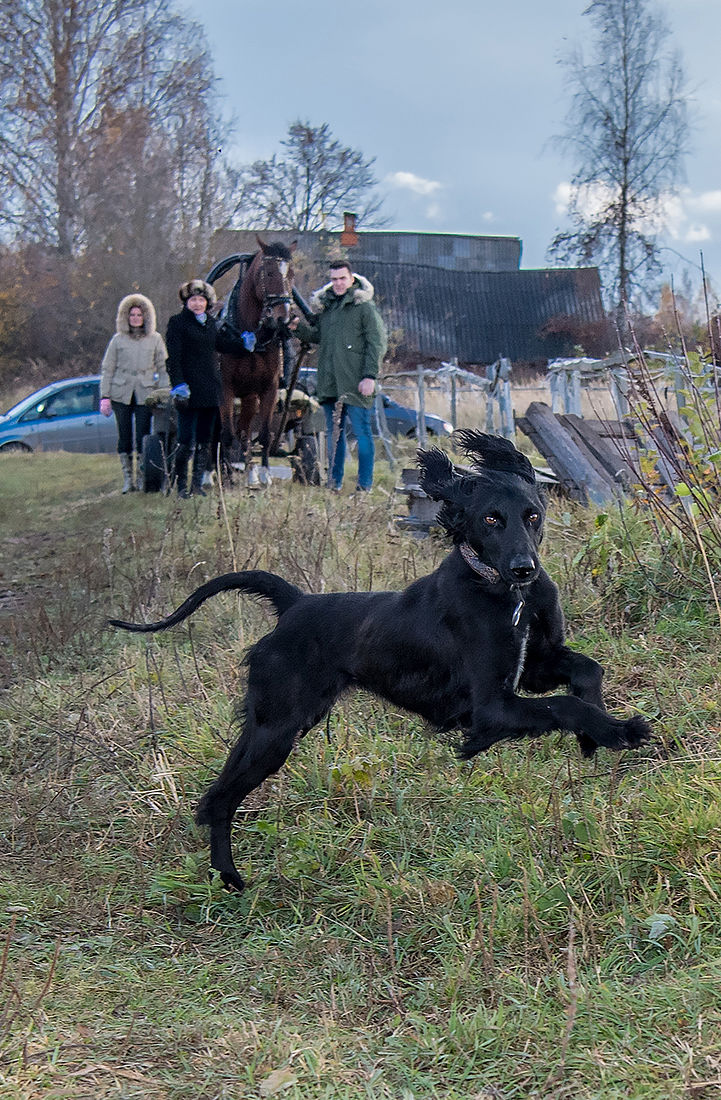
(360, 420)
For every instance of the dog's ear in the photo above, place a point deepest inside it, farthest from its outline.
(493, 452)
(438, 479)
(441, 482)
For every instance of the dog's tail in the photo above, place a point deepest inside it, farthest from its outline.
(281, 594)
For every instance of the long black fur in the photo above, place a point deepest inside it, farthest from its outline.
(453, 647)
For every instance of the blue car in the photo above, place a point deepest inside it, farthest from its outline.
(64, 416)
(401, 419)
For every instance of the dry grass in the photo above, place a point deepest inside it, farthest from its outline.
(529, 926)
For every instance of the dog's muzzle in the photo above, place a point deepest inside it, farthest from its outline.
(523, 568)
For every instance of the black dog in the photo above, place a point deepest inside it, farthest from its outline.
(454, 647)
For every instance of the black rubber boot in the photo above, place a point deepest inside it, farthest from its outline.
(180, 471)
(200, 463)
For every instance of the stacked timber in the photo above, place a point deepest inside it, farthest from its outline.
(592, 459)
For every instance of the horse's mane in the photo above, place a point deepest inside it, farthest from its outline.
(279, 250)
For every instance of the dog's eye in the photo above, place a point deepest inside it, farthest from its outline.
(534, 517)
(490, 521)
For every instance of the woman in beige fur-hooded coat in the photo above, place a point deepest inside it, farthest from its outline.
(133, 367)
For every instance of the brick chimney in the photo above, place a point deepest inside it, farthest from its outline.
(348, 237)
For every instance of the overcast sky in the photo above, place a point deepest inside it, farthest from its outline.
(458, 102)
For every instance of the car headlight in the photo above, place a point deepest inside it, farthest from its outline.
(448, 427)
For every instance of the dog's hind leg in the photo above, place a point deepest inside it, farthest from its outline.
(285, 699)
(261, 751)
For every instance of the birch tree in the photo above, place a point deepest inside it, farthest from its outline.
(626, 129)
(82, 81)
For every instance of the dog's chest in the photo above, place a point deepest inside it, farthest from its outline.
(519, 643)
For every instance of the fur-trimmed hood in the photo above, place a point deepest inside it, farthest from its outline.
(122, 324)
(360, 291)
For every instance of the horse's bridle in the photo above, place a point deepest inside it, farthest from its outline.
(270, 301)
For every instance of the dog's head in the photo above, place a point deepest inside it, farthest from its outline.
(498, 510)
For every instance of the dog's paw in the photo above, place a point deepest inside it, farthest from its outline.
(635, 732)
(587, 745)
(470, 748)
(231, 881)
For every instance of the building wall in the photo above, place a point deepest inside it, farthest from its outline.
(451, 251)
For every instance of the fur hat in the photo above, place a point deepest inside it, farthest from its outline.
(197, 286)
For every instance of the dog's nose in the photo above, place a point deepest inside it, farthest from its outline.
(522, 567)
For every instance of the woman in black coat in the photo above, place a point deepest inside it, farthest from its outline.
(195, 379)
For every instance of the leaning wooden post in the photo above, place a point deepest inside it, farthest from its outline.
(491, 383)
(574, 393)
(619, 390)
(454, 392)
(421, 425)
(554, 381)
(680, 386)
(505, 403)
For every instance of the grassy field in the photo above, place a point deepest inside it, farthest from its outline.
(530, 925)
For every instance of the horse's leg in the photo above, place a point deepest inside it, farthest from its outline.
(267, 406)
(248, 409)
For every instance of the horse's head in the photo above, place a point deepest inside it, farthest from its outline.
(272, 280)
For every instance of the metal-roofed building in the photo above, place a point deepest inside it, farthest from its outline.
(448, 294)
(452, 251)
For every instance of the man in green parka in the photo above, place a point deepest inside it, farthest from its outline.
(352, 339)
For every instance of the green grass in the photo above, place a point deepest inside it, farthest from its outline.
(531, 925)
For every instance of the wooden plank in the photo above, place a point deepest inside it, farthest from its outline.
(568, 485)
(613, 429)
(578, 475)
(610, 459)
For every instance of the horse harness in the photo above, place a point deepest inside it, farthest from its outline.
(264, 336)
(269, 301)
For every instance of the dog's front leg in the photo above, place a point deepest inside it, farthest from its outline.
(512, 716)
(560, 666)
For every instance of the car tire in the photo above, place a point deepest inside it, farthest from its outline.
(153, 464)
(16, 446)
(306, 468)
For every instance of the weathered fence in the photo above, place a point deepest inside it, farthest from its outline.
(568, 378)
(449, 377)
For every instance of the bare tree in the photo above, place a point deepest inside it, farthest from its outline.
(308, 185)
(72, 74)
(109, 169)
(626, 127)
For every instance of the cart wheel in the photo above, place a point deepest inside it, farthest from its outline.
(153, 460)
(306, 469)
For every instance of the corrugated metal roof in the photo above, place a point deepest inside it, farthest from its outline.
(479, 316)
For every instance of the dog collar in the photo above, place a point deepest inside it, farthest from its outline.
(472, 560)
(488, 573)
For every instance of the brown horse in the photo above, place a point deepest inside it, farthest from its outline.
(258, 309)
